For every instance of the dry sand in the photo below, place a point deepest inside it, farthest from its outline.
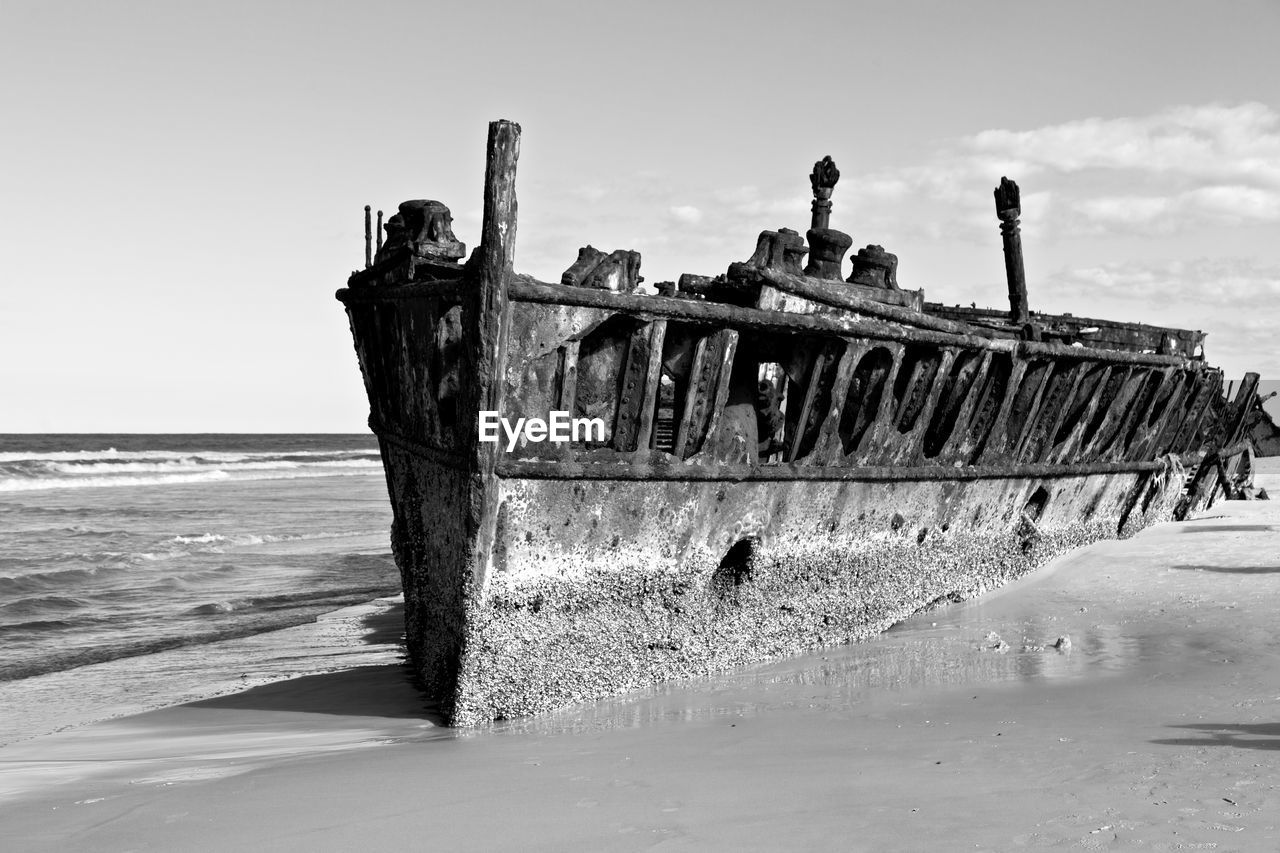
(1157, 729)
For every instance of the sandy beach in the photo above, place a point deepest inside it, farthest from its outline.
(1156, 727)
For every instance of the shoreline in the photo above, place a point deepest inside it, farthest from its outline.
(1150, 732)
(355, 635)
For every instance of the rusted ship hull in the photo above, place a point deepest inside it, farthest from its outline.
(915, 459)
(641, 590)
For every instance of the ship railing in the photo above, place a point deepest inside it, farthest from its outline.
(863, 391)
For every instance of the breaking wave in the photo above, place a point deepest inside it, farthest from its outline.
(25, 472)
(213, 455)
(254, 539)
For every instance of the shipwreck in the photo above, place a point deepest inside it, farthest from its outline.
(790, 456)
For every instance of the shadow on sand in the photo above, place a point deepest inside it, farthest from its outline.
(1233, 570)
(1243, 735)
(1225, 528)
(385, 627)
(367, 691)
(385, 690)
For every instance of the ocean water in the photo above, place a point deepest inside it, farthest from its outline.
(120, 554)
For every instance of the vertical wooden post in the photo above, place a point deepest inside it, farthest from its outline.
(368, 239)
(487, 328)
(497, 254)
(1008, 209)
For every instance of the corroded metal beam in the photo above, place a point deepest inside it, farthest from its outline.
(449, 290)
(568, 392)
(1240, 407)
(844, 297)
(652, 382)
(633, 393)
(525, 289)
(558, 470)
(707, 392)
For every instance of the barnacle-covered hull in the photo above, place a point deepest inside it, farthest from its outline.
(824, 563)
(786, 463)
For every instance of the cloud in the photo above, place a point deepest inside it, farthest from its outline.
(1241, 282)
(1120, 211)
(1168, 214)
(1235, 204)
(686, 214)
(1212, 143)
(590, 193)
(1229, 297)
(1194, 166)
(1155, 175)
(1240, 344)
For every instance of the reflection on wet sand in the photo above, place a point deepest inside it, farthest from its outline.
(922, 654)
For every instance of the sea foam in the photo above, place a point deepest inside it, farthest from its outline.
(161, 476)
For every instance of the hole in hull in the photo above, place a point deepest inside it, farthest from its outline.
(735, 568)
(1027, 529)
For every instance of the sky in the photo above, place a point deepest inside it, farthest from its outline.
(183, 183)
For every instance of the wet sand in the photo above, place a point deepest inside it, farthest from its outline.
(1157, 728)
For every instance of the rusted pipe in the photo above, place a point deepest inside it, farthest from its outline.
(1008, 209)
(368, 239)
